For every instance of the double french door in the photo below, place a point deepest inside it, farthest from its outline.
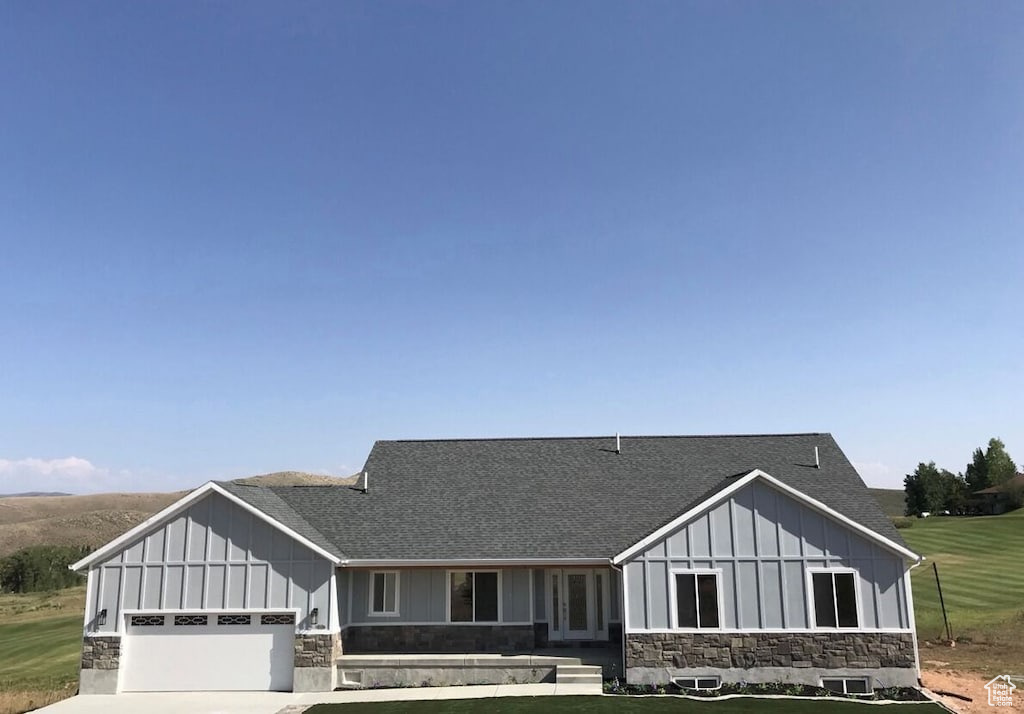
(578, 602)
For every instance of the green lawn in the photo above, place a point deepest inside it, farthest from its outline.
(40, 654)
(979, 563)
(642, 705)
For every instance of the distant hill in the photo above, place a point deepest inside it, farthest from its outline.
(890, 499)
(29, 494)
(94, 519)
(296, 478)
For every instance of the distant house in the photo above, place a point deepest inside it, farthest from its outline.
(1000, 498)
(695, 560)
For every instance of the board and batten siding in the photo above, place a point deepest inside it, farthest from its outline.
(763, 542)
(423, 593)
(214, 555)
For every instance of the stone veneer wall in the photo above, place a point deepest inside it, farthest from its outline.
(313, 650)
(828, 650)
(417, 639)
(101, 653)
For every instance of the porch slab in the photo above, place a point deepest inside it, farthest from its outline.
(438, 670)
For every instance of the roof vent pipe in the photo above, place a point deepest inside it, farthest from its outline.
(366, 481)
(618, 444)
(817, 461)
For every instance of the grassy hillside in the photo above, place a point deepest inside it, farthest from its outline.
(890, 499)
(40, 646)
(74, 520)
(979, 561)
(95, 519)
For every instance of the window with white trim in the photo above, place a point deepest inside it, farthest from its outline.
(697, 600)
(835, 598)
(847, 685)
(697, 682)
(384, 593)
(474, 596)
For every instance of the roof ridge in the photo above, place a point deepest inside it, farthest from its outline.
(603, 436)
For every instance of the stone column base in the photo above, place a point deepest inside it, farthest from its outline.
(315, 655)
(101, 660)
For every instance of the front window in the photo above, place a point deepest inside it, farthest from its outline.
(384, 593)
(697, 600)
(835, 598)
(474, 596)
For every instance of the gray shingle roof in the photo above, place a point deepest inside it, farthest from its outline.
(268, 501)
(553, 498)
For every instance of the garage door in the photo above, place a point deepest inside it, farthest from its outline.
(205, 652)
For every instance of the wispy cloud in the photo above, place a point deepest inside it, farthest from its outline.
(70, 473)
(71, 466)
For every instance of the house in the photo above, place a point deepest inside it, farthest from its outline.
(999, 498)
(695, 559)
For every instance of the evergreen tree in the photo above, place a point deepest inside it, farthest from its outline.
(931, 489)
(977, 472)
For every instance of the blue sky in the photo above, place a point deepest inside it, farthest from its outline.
(244, 237)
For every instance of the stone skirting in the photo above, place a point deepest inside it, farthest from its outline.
(314, 650)
(101, 652)
(437, 639)
(831, 650)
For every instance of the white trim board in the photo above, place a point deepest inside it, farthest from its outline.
(180, 505)
(758, 474)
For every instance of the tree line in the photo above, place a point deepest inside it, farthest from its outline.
(41, 567)
(931, 489)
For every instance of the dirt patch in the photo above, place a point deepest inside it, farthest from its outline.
(970, 685)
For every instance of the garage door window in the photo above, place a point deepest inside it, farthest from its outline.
(234, 619)
(189, 620)
(282, 619)
(147, 620)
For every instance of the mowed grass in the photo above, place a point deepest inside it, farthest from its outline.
(615, 705)
(979, 561)
(40, 648)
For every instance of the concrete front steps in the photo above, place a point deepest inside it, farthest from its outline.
(578, 674)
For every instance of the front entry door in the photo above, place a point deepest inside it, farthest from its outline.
(577, 600)
(579, 596)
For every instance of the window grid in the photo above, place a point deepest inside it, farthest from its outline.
(281, 619)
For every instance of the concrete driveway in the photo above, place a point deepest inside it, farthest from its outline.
(274, 702)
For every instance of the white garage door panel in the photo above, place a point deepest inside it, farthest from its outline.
(208, 658)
